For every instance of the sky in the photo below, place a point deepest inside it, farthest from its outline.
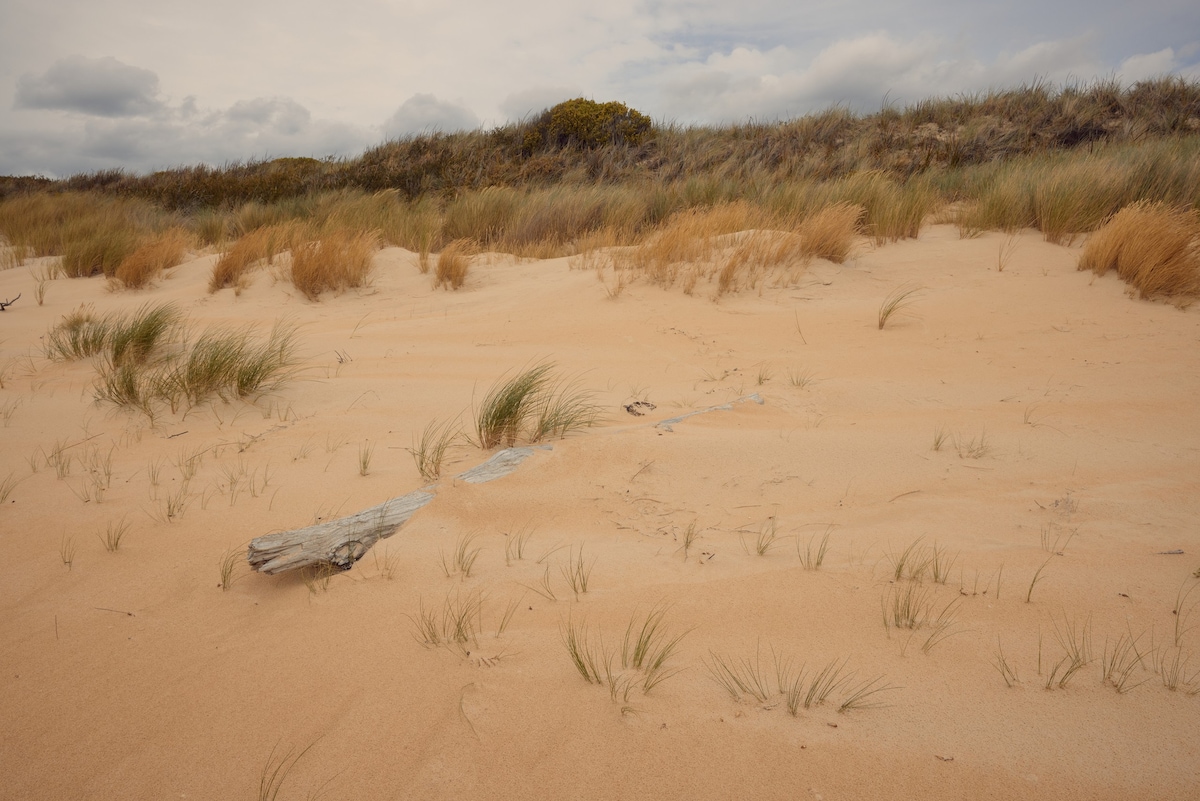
(142, 85)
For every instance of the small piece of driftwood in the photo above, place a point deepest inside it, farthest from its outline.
(338, 543)
(665, 425)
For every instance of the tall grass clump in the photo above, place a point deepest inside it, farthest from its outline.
(121, 338)
(335, 260)
(135, 339)
(533, 404)
(829, 233)
(143, 265)
(453, 264)
(78, 335)
(253, 250)
(1152, 247)
(229, 365)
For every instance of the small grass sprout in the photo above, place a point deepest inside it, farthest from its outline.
(1076, 642)
(228, 566)
(514, 545)
(1173, 671)
(741, 678)
(1055, 540)
(365, 452)
(940, 563)
(583, 654)
(973, 448)
(66, 551)
(462, 558)
(276, 772)
(1000, 661)
(429, 451)
(1037, 577)
(899, 299)
(7, 486)
(690, 535)
(912, 563)
(939, 437)
(113, 534)
(800, 379)
(1118, 662)
(1182, 611)
(862, 696)
(812, 558)
(506, 617)
(647, 648)
(543, 587)
(577, 572)
(766, 538)
(317, 577)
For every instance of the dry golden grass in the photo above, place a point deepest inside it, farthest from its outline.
(254, 250)
(829, 234)
(758, 253)
(1152, 247)
(162, 252)
(334, 260)
(453, 264)
(688, 242)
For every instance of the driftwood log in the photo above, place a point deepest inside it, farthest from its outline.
(342, 542)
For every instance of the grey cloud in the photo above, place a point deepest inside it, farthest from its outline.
(102, 87)
(253, 129)
(281, 115)
(520, 105)
(423, 112)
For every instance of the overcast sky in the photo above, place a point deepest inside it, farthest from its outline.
(146, 84)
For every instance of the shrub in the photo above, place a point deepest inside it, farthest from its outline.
(587, 124)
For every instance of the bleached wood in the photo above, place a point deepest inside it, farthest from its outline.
(339, 543)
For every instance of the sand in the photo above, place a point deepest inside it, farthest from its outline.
(1069, 411)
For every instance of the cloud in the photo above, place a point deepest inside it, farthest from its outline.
(1148, 65)
(280, 115)
(102, 87)
(258, 128)
(520, 105)
(423, 113)
(860, 72)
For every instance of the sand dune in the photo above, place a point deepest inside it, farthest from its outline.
(1070, 445)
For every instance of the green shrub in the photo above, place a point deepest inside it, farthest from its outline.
(587, 124)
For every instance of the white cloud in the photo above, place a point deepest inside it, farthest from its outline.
(423, 113)
(1148, 65)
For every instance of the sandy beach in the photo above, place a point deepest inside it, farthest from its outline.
(1029, 436)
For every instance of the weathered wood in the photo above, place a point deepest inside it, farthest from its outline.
(665, 425)
(499, 465)
(339, 543)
